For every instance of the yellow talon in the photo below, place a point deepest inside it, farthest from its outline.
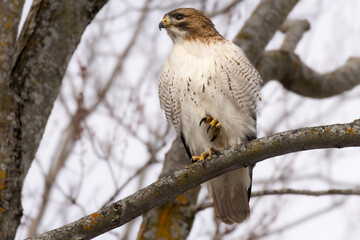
(214, 122)
(206, 119)
(200, 158)
(214, 125)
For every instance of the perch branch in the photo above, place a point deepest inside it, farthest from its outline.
(167, 188)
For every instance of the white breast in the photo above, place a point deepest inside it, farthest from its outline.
(198, 77)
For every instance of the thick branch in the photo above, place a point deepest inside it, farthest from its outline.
(287, 68)
(121, 212)
(261, 26)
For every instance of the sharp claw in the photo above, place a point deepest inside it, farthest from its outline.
(214, 151)
(217, 131)
(214, 125)
(205, 119)
(202, 120)
(200, 159)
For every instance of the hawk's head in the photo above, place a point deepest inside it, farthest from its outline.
(188, 23)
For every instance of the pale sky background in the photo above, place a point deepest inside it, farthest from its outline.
(333, 38)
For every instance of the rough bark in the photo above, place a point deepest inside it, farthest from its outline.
(31, 78)
(174, 218)
(167, 188)
(10, 208)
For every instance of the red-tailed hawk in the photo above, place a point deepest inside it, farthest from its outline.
(208, 90)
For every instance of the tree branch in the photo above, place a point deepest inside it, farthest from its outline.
(294, 29)
(289, 191)
(299, 221)
(284, 65)
(121, 212)
(287, 68)
(259, 29)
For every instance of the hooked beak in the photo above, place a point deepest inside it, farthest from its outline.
(164, 23)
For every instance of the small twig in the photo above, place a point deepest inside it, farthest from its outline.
(294, 30)
(135, 174)
(224, 9)
(65, 147)
(288, 191)
(300, 220)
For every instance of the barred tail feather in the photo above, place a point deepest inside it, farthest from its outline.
(230, 195)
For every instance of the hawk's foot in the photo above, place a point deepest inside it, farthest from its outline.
(206, 119)
(214, 125)
(201, 159)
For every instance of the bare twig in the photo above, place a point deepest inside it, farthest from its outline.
(300, 220)
(289, 191)
(224, 9)
(119, 65)
(65, 146)
(294, 30)
(135, 174)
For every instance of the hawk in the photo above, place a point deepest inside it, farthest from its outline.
(209, 90)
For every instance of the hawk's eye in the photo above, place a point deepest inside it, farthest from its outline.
(179, 17)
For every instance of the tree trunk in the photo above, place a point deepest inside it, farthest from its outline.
(30, 81)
